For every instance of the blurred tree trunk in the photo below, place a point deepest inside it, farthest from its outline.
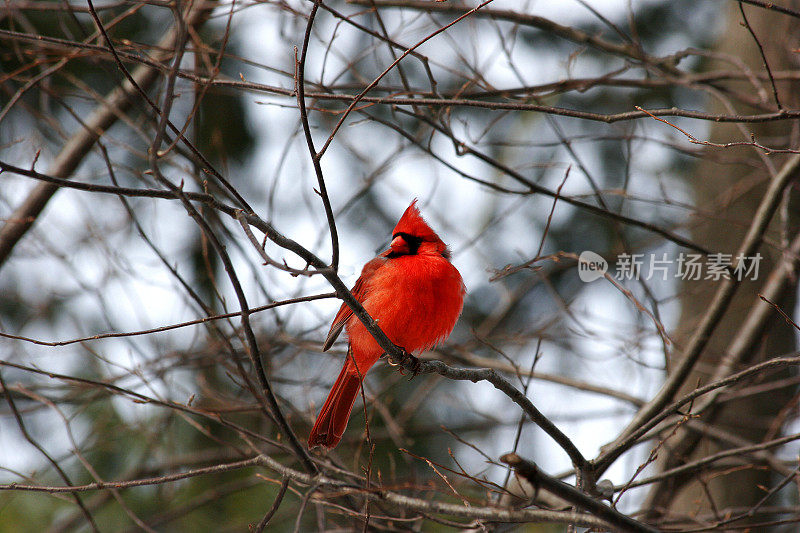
(728, 185)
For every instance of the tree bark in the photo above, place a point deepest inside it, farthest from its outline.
(728, 185)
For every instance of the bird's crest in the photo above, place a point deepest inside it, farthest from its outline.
(412, 223)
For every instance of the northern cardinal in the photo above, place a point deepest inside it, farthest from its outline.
(416, 296)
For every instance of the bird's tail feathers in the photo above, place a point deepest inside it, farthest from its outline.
(332, 419)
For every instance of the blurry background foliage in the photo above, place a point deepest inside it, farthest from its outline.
(94, 263)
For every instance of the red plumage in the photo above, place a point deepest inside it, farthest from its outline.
(414, 293)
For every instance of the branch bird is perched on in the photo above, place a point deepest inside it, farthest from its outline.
(413, 292)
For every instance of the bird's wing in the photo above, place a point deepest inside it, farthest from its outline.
(359, 290)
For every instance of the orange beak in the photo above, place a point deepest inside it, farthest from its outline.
(399, 244)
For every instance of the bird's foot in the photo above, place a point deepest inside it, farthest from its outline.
(407, 361)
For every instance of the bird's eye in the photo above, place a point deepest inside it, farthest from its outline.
(413, 242)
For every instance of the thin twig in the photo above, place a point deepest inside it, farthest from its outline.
(275, 505)
(23, 429)
(315, 157)
(763, 55)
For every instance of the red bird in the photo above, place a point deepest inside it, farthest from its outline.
(414, 293)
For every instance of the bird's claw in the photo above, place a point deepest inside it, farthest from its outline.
(414, 363)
